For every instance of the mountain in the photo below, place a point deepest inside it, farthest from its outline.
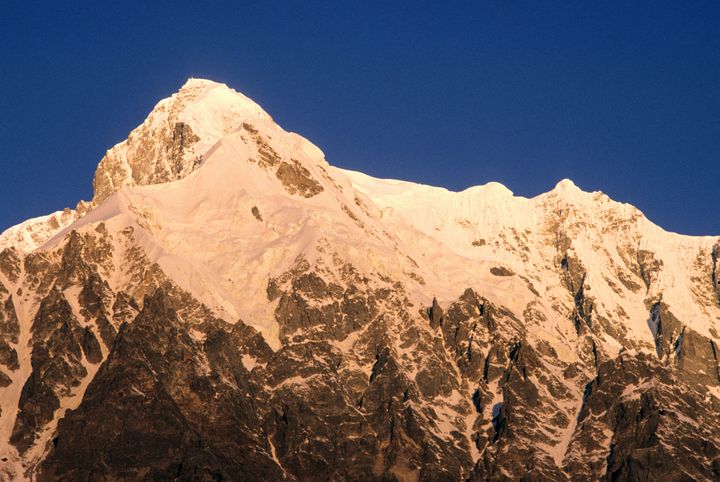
(229, 306)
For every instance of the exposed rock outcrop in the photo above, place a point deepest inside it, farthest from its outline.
(58, 348)
(9, 331)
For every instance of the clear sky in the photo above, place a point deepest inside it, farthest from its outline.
(622, 97)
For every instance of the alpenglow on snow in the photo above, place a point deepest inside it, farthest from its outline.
(230, 306)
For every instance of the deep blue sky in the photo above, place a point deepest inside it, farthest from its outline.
(623, 97)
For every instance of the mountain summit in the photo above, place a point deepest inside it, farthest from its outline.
(172, 140)
(229, 306)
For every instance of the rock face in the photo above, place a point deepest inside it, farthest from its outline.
(57, 353)
(9, 331)
(165, 406)
(641, 409)
(231, 307)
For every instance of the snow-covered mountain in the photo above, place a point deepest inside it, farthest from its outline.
(231, 306)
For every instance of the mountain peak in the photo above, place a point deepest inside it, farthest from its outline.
(566, 189)
(171, 141)
(195, 82)
(566, 185)
(495, 189)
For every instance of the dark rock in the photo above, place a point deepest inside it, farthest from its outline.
(296, 179)
(434, 314)
(696, 357)
(268, 157)
(56, 367)
(182, 138)
(153, 411)
(9, 332)
(648, 411)
(74, 268)
(5, 381)
(95, 298)
(666, 329)
(10, 264)
(501, 271)
(90, 346)
(256, 213)
(325, 309)
(40, 272)
(124, 308)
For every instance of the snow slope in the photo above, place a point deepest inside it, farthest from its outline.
(198, 224)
